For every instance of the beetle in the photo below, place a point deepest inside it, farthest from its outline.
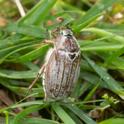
(62, 66)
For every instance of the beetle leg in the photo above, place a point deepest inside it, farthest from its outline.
(49, 41)
(38, 76)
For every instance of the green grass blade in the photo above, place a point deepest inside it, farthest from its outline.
(24, 113)
(106, 48)
(62, 114)
(110, 82)
(111, 36)
(75, 118)
(28, 30)
(15, 51)
(39, 121)
(115, 28)
(37, 15)
(10, 41)
(39, 52)
(113, 121)
(17, 47)
(34, 120)
(27, 104)
(21, 91)
(93, 79)
(91, 93)
(83, 116)
(18, 74)
(92, 14)
(114, 59)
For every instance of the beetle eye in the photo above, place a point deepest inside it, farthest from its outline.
(66, 33)
(61, 32)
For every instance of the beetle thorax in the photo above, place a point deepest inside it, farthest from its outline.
(66, 44)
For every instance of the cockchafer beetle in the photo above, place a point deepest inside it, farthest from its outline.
(62, 66)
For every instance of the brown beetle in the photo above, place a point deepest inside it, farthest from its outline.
(62, 66)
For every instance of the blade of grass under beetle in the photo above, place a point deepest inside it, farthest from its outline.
(92, 14)
(37, 15)
(83, 116)
(62, 114)
(25, 112)
(110, 82)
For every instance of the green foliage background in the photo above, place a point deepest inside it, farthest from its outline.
(100, 88)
